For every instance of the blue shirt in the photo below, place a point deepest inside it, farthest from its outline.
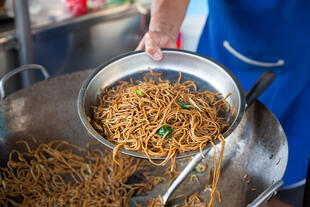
(251, 36)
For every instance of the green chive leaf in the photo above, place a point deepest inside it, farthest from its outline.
(184, 105)
(165, 130)
(139, 93)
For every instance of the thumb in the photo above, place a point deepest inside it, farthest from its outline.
(152, 46)
(155, 53)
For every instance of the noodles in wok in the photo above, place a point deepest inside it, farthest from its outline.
(62, 174)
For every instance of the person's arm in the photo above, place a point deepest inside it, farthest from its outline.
(166, 20)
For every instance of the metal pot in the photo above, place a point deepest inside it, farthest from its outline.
(207, 74)
(47, 111)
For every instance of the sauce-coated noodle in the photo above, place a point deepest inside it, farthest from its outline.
(162, 119)
(63, 174)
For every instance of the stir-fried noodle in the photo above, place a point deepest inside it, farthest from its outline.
(63, 174)
(161, 119)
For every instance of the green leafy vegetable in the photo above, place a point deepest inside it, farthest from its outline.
(139, 93)
(185, 105)
(165, 130)
(39, 165)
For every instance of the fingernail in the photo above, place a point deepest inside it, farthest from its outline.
(157, 56)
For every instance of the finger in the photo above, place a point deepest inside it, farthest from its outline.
(152, 46)
(171, 44)
(141, 45)
(155, 53)
(166, 41)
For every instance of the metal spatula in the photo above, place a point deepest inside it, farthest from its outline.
(187, 170)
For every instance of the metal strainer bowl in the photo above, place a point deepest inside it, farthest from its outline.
(207, 74)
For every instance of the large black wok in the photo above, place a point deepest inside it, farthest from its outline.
(47, 111)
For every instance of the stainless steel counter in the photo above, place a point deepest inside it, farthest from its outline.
(80, 43)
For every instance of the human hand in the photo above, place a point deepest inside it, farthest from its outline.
(153, 41)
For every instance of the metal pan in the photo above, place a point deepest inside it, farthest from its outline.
(207, 74)
(47, 111)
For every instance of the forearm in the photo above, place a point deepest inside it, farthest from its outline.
(167, 16)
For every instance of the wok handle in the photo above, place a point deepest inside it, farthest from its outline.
(18, 70)
(267, 194)
(188, 169)
(260, 86)
(306, 201)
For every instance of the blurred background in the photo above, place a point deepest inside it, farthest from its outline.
(67, 35)
(71, 35)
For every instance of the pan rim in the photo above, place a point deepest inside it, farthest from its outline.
(91, 131)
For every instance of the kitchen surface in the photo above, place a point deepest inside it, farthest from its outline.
(57, 44)
(78, 43)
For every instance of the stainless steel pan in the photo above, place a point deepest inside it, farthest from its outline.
(207, 74)
(47, 111)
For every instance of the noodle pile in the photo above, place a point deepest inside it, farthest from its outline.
(159, 118)
(162, 119)
(193, 200)
(63, 174)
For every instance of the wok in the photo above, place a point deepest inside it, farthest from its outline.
(47, 111)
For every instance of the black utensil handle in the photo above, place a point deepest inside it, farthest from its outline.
(306, 201)
(267, 194)
(260, 86)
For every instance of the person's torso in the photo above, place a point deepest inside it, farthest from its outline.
(251, 36)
